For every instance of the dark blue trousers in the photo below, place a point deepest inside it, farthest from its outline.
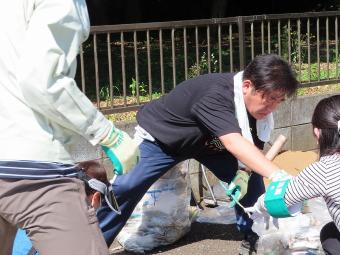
(154, 162)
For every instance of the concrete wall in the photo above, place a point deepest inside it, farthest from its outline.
(293, 119)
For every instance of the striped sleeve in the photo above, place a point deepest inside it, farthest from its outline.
(320, 179)
(308, 184)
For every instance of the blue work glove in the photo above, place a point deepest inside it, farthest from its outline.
(238, 187)
(121, 150)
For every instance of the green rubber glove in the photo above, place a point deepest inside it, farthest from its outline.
(238, 187)
(121, 150)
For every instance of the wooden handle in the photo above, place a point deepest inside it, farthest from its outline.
(276, 147)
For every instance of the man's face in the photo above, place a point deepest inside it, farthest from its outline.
(258, 104)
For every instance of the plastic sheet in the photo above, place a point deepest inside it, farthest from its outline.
(296, 235)
(222, 214)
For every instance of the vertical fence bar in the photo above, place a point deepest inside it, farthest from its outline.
(336, 48)
(173, 57)
(135, 49)
(109, 59)
(279, 36)
(299, 46)
(185, 53)
(95, 51)
(148, 50)
(289, 42)
(262, 37)
(268, 33)
(327, 46)
(299, 52)
(197, 47)
(208, 49)
(219, 49)
(82, 69)
(241, 42)
(122, 54)
(252, 40)
(308, 51)
(161, 60)
(318, 45)
(231, 48)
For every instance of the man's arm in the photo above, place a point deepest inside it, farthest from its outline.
(248, 154)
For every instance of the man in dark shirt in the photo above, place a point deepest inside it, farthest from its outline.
(213, 118)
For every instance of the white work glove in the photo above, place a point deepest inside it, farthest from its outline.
(238, 187)
(121, 150)
(260, 215)
(279, 175)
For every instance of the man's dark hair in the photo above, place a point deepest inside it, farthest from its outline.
(270, 73)
(94, 170)
(325, 117)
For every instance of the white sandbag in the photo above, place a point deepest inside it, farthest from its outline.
(162, 216)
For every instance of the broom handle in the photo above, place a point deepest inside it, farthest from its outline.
(276, 147)
(271, 153)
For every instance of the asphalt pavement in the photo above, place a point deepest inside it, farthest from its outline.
(203, 239)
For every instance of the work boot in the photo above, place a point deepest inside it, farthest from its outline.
(249, 244)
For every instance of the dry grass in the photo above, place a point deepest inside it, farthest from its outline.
(319, 89)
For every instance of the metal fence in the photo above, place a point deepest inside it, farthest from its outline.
(123, 66)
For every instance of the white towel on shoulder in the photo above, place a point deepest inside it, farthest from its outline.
(264, 126)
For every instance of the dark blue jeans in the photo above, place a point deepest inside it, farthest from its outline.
(154, 162)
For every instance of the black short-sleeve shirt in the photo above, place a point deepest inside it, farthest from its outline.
(196, 111)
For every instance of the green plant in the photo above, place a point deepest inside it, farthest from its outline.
(337, 59)
(294, 44)
(203, 66)
(313, 72)
(141, 87)
(104, 93)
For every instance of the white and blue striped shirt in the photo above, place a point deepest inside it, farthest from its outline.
(320, 179)
(33, 170)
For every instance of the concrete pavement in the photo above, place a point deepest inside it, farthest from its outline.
(203, 239)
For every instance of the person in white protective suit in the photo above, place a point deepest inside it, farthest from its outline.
(42, 113)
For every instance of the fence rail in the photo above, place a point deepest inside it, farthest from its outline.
(124, 66)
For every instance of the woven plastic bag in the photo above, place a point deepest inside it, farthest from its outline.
(162, 216)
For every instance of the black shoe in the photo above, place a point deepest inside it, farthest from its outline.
(249, 244)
